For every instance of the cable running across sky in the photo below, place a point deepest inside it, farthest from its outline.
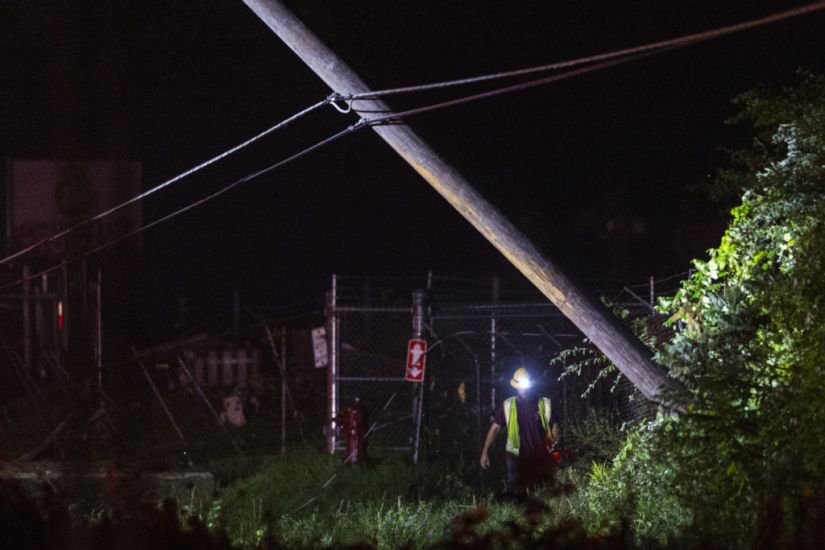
(393, 118)
(167, 183)
(680, 41)
(397, 118)
(195, 204)
(362, 123)
(655, 47)
(608, 59)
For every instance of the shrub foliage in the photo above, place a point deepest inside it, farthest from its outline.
(746, 465)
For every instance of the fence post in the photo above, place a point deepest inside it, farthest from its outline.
(332, 368)
(99, 328)
(236, 316)
(66, 323)
(431, 331)
(27, 335)
(495, 292)
(418, 400)
(39, 336)
(283, 389)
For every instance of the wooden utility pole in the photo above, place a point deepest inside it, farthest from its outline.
(612, 337)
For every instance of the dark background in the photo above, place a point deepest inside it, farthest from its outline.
(599, 170)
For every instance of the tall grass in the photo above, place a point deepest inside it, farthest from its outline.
(306, 498)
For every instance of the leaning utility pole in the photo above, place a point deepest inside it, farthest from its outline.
(612, 337)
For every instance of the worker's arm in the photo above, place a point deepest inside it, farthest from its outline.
(491, 436)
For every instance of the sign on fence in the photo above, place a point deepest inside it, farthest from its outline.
(320, 351)
(416, 359)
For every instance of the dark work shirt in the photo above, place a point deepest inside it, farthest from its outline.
(532, 436)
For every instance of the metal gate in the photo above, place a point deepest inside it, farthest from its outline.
(478, 334)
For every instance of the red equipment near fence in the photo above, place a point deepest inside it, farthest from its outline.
(354, 422)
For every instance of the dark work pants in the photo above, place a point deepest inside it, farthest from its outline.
(525, 473)
(513, 472)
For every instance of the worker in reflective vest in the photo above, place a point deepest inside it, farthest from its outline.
(532, 431)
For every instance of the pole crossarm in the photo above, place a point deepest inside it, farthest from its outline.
(607, 333)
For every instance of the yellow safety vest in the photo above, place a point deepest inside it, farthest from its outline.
(513, 441)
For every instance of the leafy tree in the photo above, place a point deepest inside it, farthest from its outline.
(746, 465)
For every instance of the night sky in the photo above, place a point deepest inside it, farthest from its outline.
(598, 170)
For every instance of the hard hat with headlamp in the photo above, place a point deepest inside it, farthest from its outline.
(521, 379)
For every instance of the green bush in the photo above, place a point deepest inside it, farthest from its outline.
(596, 438)
(746, 463)
(636, 490)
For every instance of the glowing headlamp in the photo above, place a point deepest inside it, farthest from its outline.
(524, 383)
(521, 379)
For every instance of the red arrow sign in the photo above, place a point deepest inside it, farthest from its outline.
(416, 359)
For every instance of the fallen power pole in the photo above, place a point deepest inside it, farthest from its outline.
(609, 334)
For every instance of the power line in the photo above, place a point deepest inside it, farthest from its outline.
(362, 123)
(625, 55)
(352, 128)
(397, 118)
(167, 183)
(611, 59)
(680, 41)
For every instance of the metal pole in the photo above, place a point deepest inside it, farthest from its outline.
(278, 363)
(55, 307)
(652, 291)
(496, 288)
(418, 300)
(99, 329)
(425, 402)
(40, 324)
(478, 403)
(209, 406)
(332, 369)
(64, 268)
(84, 284)
(236, 314)
(39, 339)
(27, 322)
(595, 320)
(160, 398)
(8, 187)
(283, 389)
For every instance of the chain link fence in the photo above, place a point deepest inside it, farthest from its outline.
(372, 345)
(478, 334)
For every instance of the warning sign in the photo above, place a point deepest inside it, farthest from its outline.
(320, 351)
(416, 359)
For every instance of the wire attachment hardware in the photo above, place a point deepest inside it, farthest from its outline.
(335, 96)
